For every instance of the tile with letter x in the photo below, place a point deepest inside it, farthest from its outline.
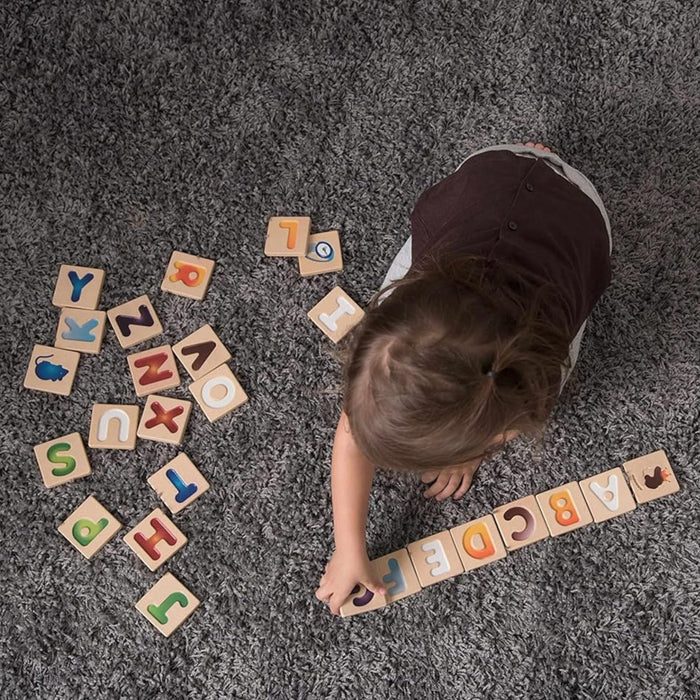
(155, 539)
(78, 287)
(478, 542)
(651, 477)
(564, 508)
(62, 459)
(435, 558)
(81, 330)
(153, 370)
(52, 370)
(89, 527)
(187, 275)
(178, 483)
(287, 236)
(135, 321)
(113, 426)
(607, 494)
(167, 604)
(521, 523)
(164, 419)
(218, 393)
(336, 314)
(201, 352)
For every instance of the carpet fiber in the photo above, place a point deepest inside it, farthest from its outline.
(132, 129)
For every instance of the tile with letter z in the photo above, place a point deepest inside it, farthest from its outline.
(62, 459)
(178, 483)
(113, 426)
(651, 477)
(89, 527)
(164, 419)
(478, 542)
(607, 494)
(435, 558)
(287, 236)
(564, 509)
(153, 370)
(167, 604)
(336, 314)
(218, 393)
(135, 321)
(201, 352)
(78, 287)
(81, 330)
(187, 275)
(52, 370)
(155, 539)
(521, 523)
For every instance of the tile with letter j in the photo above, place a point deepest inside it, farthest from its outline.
(178, 483)
(155, 539)
(167, 604)
(89, 527)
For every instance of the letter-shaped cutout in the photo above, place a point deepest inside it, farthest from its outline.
(159, 611)
(227, 398)
(68, 462)
(184, 491)
(291, 226)
(529, 522)
(78, 284)
(80, 333)
(149, 544)
(163, 417)
(202, 350)
(394, 579)
(361, 600)
(124, 424)
(612, 489)
(560, 509)
(143, 319)
(478, 529)
(153, 363)
(331, 320)
(189, 274)
(438, 557)
(85, 530)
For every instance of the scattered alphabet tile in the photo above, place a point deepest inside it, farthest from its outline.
(478, 542)
(62, 459)
(607, 494)
(78, 287)
(521, 523)
(336, 314)
(435, 558)
(218, 392)
(89, 527)
(153, 370)
(287, 236)
(52, 370)
(187, 275)
(651, 477)
(135, 321)
(323, 254)
(396, 572)
(361, 600)
(564, 508)
(81, 330)
(113, 426)
(201, 352)
(167, 604)
(164, 419)
(178, 483)
(155, 539)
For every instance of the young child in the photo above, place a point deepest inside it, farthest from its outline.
(471, 338)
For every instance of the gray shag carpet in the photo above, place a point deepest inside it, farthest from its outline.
(132, 129)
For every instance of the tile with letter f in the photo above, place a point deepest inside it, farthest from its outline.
(396, 572)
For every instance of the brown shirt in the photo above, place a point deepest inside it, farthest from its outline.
(518, 210)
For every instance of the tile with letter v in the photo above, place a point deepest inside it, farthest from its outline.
(164, 419)
(201, 352)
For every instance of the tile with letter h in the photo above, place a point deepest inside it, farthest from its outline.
(564, 508)
(155, 539)
(135, 321)
(478, 542)
(89, 527)
(287, 236)
(521, 523)
(323, 254)
(651, 477)
(78, 287)
(336, 314)
(178, 483)
(153, 370)
(62, 459)
(435, 558)
(113, 426)
(167, 604)
(218, 393)
(201, 352)
(81, 330)
(187, 275)
(52, 370)
(164, 419)
(607, 494)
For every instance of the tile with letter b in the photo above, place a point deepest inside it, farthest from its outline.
(164, 419)
(336, 314)
(564, 508)
(361, 600)
(607, 494)
(201, 352)
(178, 483)
(135, 321)
(323, 254)
(435, 558)
(52, 370)
(62, 459)
(81, 330)
(155, 539)
(89, 527)
(287, 236)
(521, 523)
(651, 477)
(187, 275)
(113, 426)
(478, 542)
(78, 287)
(218, 393)
(396, 572)
(153, 370)
(167, 604)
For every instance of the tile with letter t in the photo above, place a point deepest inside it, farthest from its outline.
(81, 330)
(89, 527)
(62, 459)
(113, 426)
(323, 254)
(218, 393)
(178, 483)
(153, 370)
(435, 558)
(164, 419)
(287, 236)
(201, 352)
(564, 509)
(155, 539)
(167, 604)
(336, 314)
(607, 494)
(396, 572)
(361, 600)
(521, 523)
(78, 287)
(187, 275)
(135, 321)
(478, 542)
(651, 477)
(52, 370)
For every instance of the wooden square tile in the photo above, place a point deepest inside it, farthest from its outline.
(478, 542)
(135, 321)
(323, 254)
(113, 426)
(336, 314)
(396, 571)
(153, 370)
(651, 477)
(435, 558)
(79, 287)
(155, 539)
(62, 459)
(218, 393)
(167, 604)
(607, 494)
(89, 527)
(81, 330)
(52, 370)
(521, 523)
(178, 483)
(564, 508)
(361, 600)
(287, 236)
(164, 419)
(201, 352)
(187, 275)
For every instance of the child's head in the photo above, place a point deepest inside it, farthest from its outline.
(457, 356)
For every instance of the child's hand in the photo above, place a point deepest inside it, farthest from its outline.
(343, 572)
(451, 481)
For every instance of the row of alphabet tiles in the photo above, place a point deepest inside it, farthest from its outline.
(512, 526)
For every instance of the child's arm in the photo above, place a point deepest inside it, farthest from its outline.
(351, 481)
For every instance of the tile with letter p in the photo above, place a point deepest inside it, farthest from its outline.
(435, 558)
(81, 330)
(478, 542)
(167, 604)
(336, 314)
(521, 523)
(89, 527)
(155, 539)
(607, 494)
(62, 459)
(651, 477)
(187, 275)
(218, 393)
(78, 287)
(178, 483)
(564, 508)
(396, 572)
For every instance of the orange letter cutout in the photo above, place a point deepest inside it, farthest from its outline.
(292, 236)
(478, 529)
(568, 505)
(189, 274)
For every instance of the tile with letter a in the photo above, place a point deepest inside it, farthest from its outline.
(435, 558)
(323, 254)
(187, 275)
(607, 494)
(651, 477)
(164, 419)
(155, 539)
(113, 426)
(201, 352)
(52, 370)
(396, 572)
(135, 321)
(81, 330)
(89, 527)
(287, 236)
(178, 483)
(218, 393)
(336, 314)
(78, 287)
(153, 370)
(62, 459)
(167, 604)
(564, 508)
(521, 523)
(478, 542)
(361, 600)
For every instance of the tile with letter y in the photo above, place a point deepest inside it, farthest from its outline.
(607, 494)
(62, 459)
(651, 477)
(167, 604)
(564, 508)
(187, 275)
(396, 572)
(178, 483)
(155, 539)
(78, 287)
(52, 370)
(521, 523)
(336, 314)
(201, 352)
(478, 542)
(89, 527)
(435, 558)
(113, 426)
(164, 419)
(218, 393)
(135, 321)
(81, 330)
(153, 370)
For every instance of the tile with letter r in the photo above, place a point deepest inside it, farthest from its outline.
(435, 558)
(287, 236)
(336, 314)
(201, 352)
(113, 426)
(361, 600)
(607, 494)
(478, 542)
(52, 370)
(651, 477)
(62, 459)
(167, 604)
(78, 287)
(218, 393)
(564, 508)
(135, 321)
(153, 370)
(155, 539)
(164, 419)
(187, 275)
(81, 330)
(521, 523)
(89, 527)
(178, 483)
(322, 255)
(396, 572)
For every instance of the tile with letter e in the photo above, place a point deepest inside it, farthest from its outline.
(135, 321)
(89, 527)
(396, 572)
(164, 419)
(178, 483)
(651, 477)
(187, 275)
(218, 393)
(478, 542)
(62, 459)
(361, 600)
(78, 287)
(323, 254)
(52, 370)
(201, 352)
(81, 330)
(287, 236)
(435, 558)
(564, 508)
(113, 426)
(521, 523)
(155, 539)
(607, 494)
(167, 604)
(336, 314)
(153, 370)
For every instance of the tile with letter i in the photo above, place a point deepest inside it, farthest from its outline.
(52, 370)
(187, 275)
(336, 314)
(178, 483)
(81, 330)
(323, 254)
(155, 539)
(167, 604)
(218, 393)
(435, 558)
(153, 370)
(164, 419)
(287, 236)
(201, 352)
(361, 600)
(62, 459)
(521, 523)
(564, 509)
(607, 494)
(135, 321)
(89, 527)
(396, 572)
(651, 477)
(478, 542)
(78, 287)
(113, 426)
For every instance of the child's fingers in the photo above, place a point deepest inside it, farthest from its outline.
(427, 477)
(323, 592)
(465, 486)
(438, 486)
(450, 487)
(374, 586)
(334, 603)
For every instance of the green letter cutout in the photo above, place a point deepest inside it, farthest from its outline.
(67, 460)
(93, 529)
(158, 611)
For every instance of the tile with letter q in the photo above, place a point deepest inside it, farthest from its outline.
(89, 527)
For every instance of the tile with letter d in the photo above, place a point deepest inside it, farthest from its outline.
(78, 287)
(164, 419)
(187, 275)
(167, 604)
(89, 527)
(607, 494)
(323, 254)
(155, 539)
(361, 600)
(435, 558)
(521, 523)
(651, 477)
(564, 509)
(81, 330)
(135, 321)
(178, 483)
(201, 352)
(113, 426)
(336, 314)
(62, 459)
(396, 572)
(218, 393)
(287, 236)
(153, 370)
(478, 542)
(52, 370)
